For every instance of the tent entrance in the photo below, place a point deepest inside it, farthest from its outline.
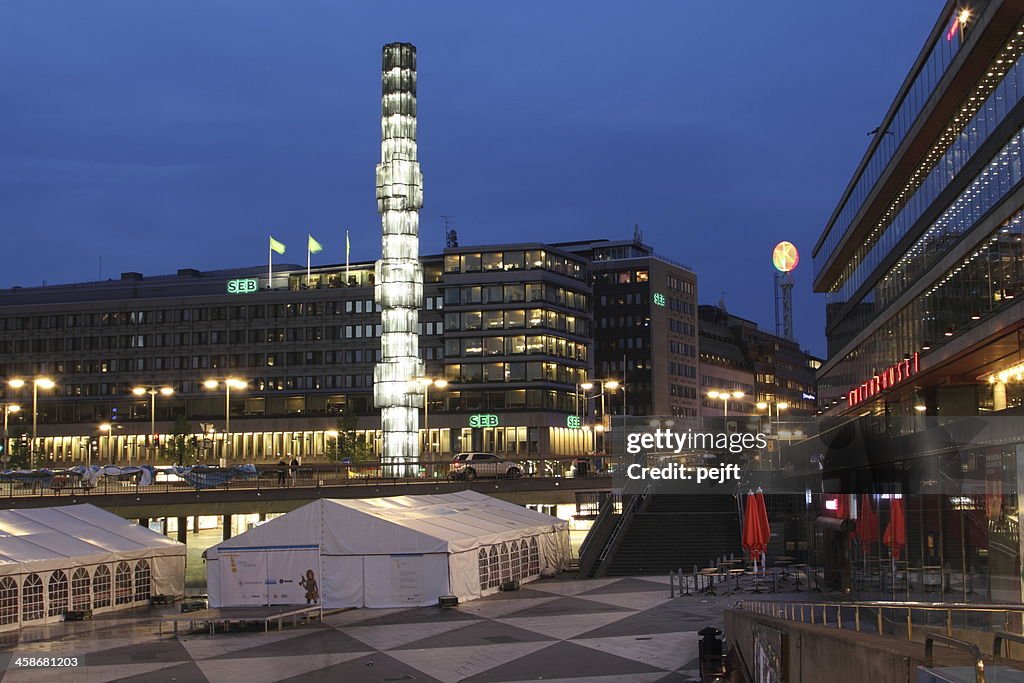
(270, 575)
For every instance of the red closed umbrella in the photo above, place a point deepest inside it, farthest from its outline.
(763, 527)
(896, 533)
(867, 522)
(748, 537)
(755, 526)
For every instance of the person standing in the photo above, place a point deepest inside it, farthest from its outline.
(282, 470)
(294, 468)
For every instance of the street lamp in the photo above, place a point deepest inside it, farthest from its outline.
(229, 384)
(44, 383)
(152, 391)
(724, 396)
(8, 409)
(426, 383)
(779, 407)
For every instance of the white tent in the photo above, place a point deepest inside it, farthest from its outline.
(386, 552)
(80, 557)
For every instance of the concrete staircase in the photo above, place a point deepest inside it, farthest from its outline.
(678, 530)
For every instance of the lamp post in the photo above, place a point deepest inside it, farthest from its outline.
(8, 409)
(229, 384)
(426, 383)
(38, 383)
(780, 406)
(152, 391)
(724, 396)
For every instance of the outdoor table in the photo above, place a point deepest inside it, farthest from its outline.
(710, 573)
(797, 568)
(737, 573)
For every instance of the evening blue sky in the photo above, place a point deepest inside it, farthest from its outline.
(164, 135)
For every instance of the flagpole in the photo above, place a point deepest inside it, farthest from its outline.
(270, 265)
(308, 257)
(347, 250)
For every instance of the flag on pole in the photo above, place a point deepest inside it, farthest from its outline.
(314, 246)
(276, 246)
(348, 250)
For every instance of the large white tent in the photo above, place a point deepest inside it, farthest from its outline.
(80, 557)
(386, 552)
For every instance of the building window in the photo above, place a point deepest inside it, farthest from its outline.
(142, 581)
(8, 600)
(81, 598)
(481, 558)
(494, 566)
(101, 587)
(58, 593)
(123, 584)
(32, 598)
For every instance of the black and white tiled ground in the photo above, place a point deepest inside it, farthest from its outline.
(624, 630)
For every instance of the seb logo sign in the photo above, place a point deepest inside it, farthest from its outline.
(483, 420)
(243, 286)
(884, 380)
(572, 422)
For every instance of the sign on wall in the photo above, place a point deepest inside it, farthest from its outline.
(483, 420)
(246, 285)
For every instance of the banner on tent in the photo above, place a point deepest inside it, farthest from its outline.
(407, 575)
(270, 575)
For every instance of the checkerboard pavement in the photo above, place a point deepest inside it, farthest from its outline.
(612, 630)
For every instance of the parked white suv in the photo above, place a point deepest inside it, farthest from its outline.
(470, 466)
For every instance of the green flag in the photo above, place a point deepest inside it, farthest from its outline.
(314, 246)
(276, 246)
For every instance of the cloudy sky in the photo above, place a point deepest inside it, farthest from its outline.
(162, 135)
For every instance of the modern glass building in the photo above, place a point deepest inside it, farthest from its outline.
(921, 261)
(922, 267)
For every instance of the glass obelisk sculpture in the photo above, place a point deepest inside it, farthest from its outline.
(398, 286)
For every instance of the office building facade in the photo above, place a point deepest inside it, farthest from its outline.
(510, 327)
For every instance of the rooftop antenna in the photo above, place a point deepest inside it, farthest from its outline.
(638, 236)
(785, 257)
(451, 237)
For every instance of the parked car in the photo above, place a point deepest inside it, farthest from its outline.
(470, 466)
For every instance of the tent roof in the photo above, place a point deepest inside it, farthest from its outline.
(42, 539)
(450, 522)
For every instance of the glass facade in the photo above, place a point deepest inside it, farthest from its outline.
(999, 93)
(990, 278)
(887, 141)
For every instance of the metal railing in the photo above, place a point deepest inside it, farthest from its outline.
(969, 648)
(621, 525)
(66, 483)
(894, 618)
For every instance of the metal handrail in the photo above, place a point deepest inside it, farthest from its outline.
(820, 612)
(1000, 638)
(970, 648)
(621, 522)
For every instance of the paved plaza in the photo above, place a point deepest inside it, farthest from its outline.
(614, 630)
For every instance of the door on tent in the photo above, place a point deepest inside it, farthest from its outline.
(270, 575)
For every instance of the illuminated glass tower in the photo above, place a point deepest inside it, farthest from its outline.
(399, 277)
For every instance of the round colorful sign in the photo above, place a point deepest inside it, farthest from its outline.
(785, 256)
